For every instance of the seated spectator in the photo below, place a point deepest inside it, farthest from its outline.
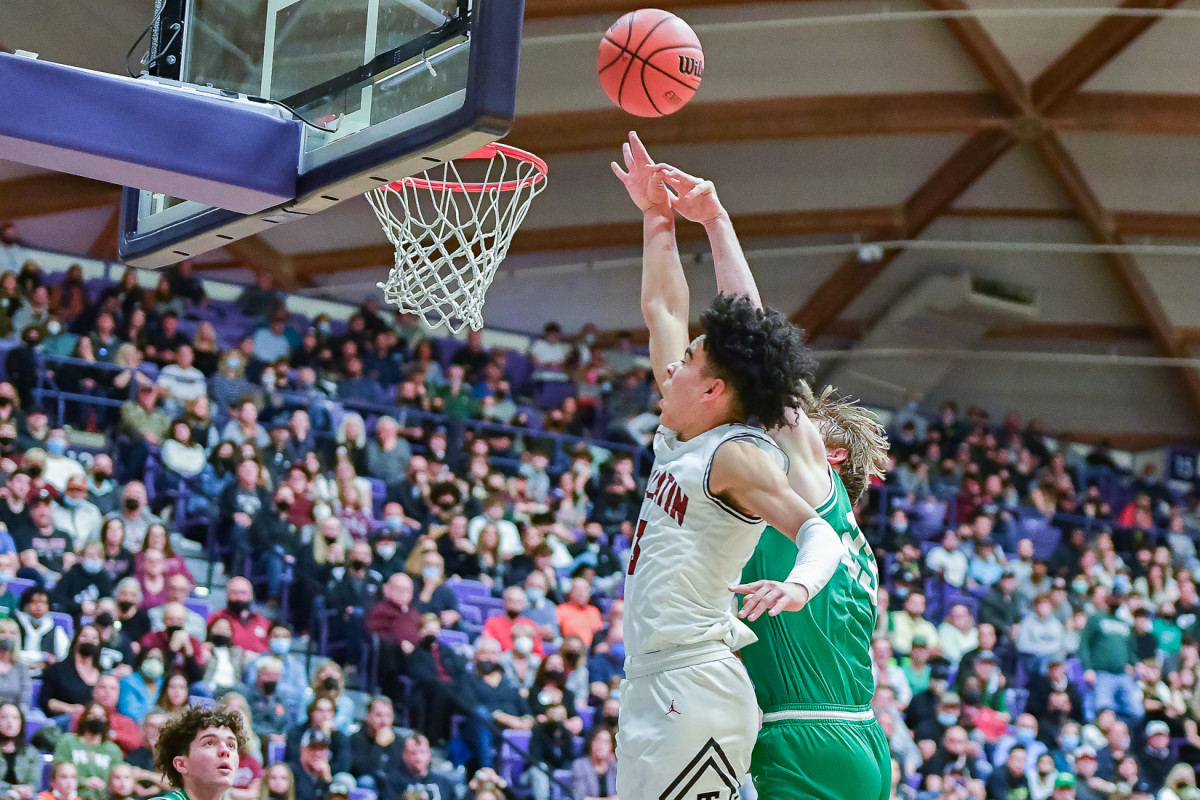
(179, 589)
(146, 425)
(493, 514)
(319, 721)
(270, 713)
(958, 633)
(577, 616)
(34, 313)
(250, 629)
(955, 758)
(425, 363)
(174, 696)
(947, 561)
(134, 513)
(917, 666)
(350, 443)
(594, 774)
(521, 663)
(23, 773)
(57, 467)
(243, 426)
(123, 731)
(311, 768)
(1041, 637)
(354, 511)
(164, 342)
(102, 490)
(153, 578)
(51, 545)
(497, 696)
(986, 565)
(277, 541)
(354, 386)
(83, 584)
(181, 382)
(551, 747)
(550, 688)
(413, 773)
(134, 620)
(67, 684)
(888, 672)
(375, 746)
(43, 641)
(240, 505)
(15, 687)
(910, 622)
(183, 458)
(999, 606)
(499, 628)
(64, 782)
(75, 514)
(275, 341)
(541, 608)
(387, 454)
(396, 621)
(549, 355)
(439, 675)
(329, 682)
(183, 653)
(226, 660)
(433, 595)
(140, 689)
(353, 590)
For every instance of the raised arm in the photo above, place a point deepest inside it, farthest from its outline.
(752, 482)
(665, 301)
(696, 199)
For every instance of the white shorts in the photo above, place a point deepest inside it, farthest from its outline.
(686, 732)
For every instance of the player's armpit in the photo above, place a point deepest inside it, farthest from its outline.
(747, 478)
(804, 446)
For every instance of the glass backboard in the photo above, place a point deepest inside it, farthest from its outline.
(389, 87)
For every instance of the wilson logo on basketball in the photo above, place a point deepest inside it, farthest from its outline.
(691, 66)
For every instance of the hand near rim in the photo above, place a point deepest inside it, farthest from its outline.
(695, 199)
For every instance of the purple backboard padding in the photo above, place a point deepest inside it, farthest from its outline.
(138, 133)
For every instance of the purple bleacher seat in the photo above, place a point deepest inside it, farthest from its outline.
(65, 622)
(1015, 700)
(275, 751)
(561, 776)
(1045, 537)
(586, 715)
(35, 690)
(470, 614)
(201, 700)
(34, 722)
(18, 586)
(512, 760)
(454, 638)
(47, 764)
(488, 606)
(362, 794)
(199, 605)
(1075, 671)
(464, 587)
(519, 367)
(935, 596)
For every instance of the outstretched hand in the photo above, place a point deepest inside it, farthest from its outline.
(774, 597)
(641, 178)
(695, 199)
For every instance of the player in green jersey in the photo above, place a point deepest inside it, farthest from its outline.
(197, 752)
(811, 670)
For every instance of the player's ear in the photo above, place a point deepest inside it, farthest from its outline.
(837, 455)
(180, 763)
(716, 389)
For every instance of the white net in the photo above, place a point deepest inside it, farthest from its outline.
(450, 234)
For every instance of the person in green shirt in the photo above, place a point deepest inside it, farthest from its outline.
(916, 667)
(197, 752)
(91, 752)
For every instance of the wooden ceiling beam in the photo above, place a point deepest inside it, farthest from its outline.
(104, 246)
(254, 253)
(1103, 227)
(53, 193)
(1128, 112)
(1091, 53)
(979, 46)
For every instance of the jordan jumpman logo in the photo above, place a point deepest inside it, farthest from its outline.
(672, 710)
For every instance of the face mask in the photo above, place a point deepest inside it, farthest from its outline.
(329, 684)
(104, 619)
(99, 477)
(70, 502)
(431, 573)
(96, 727)
(972, 699)
(386, 551)
(125, 606)
(487, 667)
(54, 328)
(357, 564)
(221, 640)
(427, 640)
(87, 649)
(395, 523)
(132, 504)
(523, 645)
(1069, 742)
(283, 505)
(947, 718)
(609, 721)
(900, 527)
(5, 577)
(8, 645)
(1080, 587)
(281, 647)
(238, 607)
(268, 381)
(268, 687)
(1025, 735)
(556, 676)
(56, 447)
(233, 362)
(535, 595)
(92, 566)
(324, 327)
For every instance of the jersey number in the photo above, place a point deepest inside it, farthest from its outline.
(637, 545)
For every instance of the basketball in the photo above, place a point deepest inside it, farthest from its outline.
(650, 63)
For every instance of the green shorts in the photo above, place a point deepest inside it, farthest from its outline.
(822, 760)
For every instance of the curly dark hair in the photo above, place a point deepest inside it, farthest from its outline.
(180, 730)
(760, 354)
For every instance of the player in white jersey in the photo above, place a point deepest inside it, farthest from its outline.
(688, 717)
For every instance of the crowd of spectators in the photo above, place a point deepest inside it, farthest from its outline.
(1038, 616)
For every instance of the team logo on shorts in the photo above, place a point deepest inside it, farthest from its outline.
(708, 776)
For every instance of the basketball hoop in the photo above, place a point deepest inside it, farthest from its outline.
(451, 234)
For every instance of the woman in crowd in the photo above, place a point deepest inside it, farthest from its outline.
(278, 784)
(91, 751)
(350, 443)
(425, 362)
(10, 301)
(136, 333)
(208, 353)
(141, 688)
(315, 562)
(158, 539)
(550, 688)
(125, 382)
(83, 378)
(227, 661)
(183, 459)
(354, 512)
(328, 682)
(594, 775)
(15, 686)
(21, 763)
(492, 565)
(67, 684)
(152, 575)
(118, 561)
(174, 695)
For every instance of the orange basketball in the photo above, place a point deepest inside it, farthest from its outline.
(650, 62)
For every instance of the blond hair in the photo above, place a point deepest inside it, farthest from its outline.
(844, 423)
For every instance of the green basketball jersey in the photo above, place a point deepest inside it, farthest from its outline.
(822, 654)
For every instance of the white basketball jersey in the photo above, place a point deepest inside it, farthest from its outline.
(688, 548)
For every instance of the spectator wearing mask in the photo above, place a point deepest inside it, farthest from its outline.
(57, 467)
(92, 751)
(353, 589)
(270, 713)
(433, 595)
(1155, 761)
(551, 748)
(541, 608)
(292, 682)
(134, 513)
(83, 584)
(499, 628)
(439, 675)
(184, 654)
(75, 514)
(277, 541)
(1025, 734)
(250, 629)
(43, 640)
(50, 547)
(102, 490)
(521, 663)
(226, 660)
(140, 689)
(123, 731)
